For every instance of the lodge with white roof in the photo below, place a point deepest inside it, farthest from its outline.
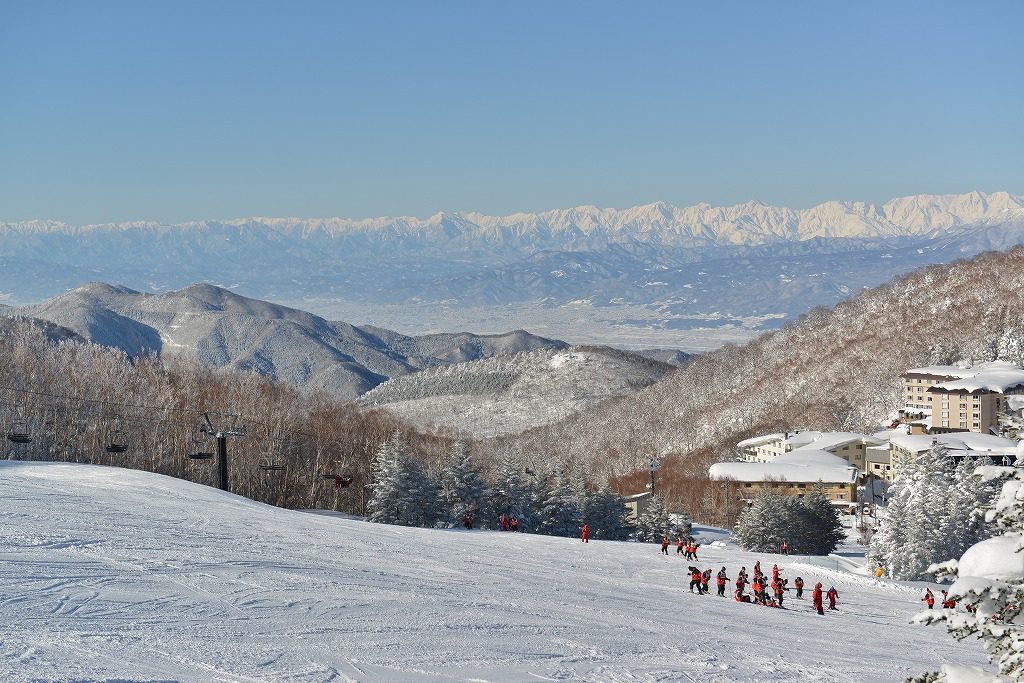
(793, 474)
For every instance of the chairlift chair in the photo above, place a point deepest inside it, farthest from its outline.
(340, 481)
(198, 441)
(19, 432)
(270, 465)
(117, 441)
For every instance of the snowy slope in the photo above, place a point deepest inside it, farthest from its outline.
(117, 575)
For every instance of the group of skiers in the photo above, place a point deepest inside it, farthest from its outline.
(688, 549)
(508, 523)
(769, 593)
(947, 602)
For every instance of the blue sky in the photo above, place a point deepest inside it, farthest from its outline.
(182, 110)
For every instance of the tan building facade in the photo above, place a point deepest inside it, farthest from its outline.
(960, 399)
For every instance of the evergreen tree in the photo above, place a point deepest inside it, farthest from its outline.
(653, 522)
(402, 490)
(511, 493)
(606, 513)
(560, 511)
(462, 487)
(932, 514)
(989, 576)
(824, 527)
(762, 527)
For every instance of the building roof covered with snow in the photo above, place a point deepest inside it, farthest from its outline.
(997, 376)
(826, 441)
(806, 465)
(952, 371)
(760, 440)
(964, 443)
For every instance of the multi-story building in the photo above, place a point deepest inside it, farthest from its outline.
(793, 474)
(960, 399)
(849, 446)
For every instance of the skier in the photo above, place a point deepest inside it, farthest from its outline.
(784, 547)
(721, 579)
(799, 585)
(467, 519)
(775, 573)
(664, 544)
(929, 598)
(778, 587)
(947, 602)
(693, 550)
(757, 567)
(514, 524)
(585, 532)
(757, 588)
(816, 597)
(695, 577)
(833, 594)
(504, 521)
(705, 578)
(679, 545)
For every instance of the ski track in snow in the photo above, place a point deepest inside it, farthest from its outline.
(114, 575)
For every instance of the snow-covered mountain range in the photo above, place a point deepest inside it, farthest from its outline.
(653, 275)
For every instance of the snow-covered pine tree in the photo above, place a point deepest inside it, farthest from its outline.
(824, 528)
(990, 577)
(762, 526)
(905, 543)
(560, 514)
(402, 490)
(653, 522)
(462, 487)
(511, 493)
(606, 513)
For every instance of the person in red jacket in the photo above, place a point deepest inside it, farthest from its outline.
(833, 595)
(504, 521)
(664, 544)
(947, 602)
(799, 585)
(757, 588)
(775, 573)
(929, 598)
(816, 597)
(721, 578)
(585, 533)
(679, 545)
(778, 587)
(467, 519)
(695, 578)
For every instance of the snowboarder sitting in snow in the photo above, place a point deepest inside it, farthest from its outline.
(833, 594)
(799, 585)
(740, 597)
(695, 577)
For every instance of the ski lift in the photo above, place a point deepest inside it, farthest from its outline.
(268, 464)
(197, 452)
(19, 432)
(117, 441)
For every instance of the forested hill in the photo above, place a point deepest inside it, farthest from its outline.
(226, 331)
(831, 369)
(509, 394)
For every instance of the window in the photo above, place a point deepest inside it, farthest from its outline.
(841, 496)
